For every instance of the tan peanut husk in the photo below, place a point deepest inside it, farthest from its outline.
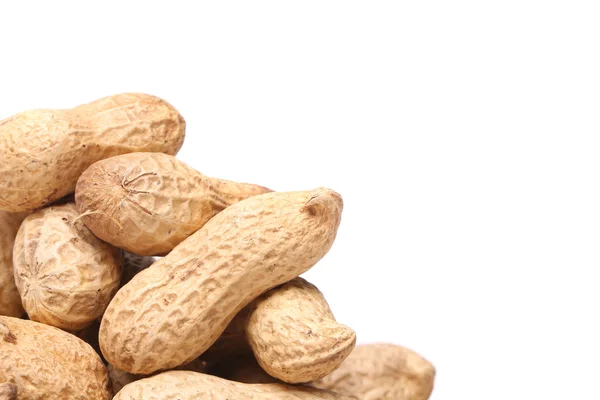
(186, 385)
(153, 322)
(44, 151)
(148, 203)
(45, 363)
(382, 371)
(294, 334)
(121, 378)
(65, 275)
(10, 301)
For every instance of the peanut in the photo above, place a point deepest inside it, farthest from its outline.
(294, 335)
(45, 363)
(382, 372)
(44, 152)
(148, 203)
(186, 385)
(170, 313)
(65, 275)
(10, 301)
(121, 378)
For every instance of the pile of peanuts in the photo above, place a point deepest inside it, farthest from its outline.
(124, 272)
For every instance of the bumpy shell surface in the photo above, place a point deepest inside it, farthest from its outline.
(184, 385)
(44, 152)
(121, 378)
(10, 301)
(148, 203)
(294, 335)
(170, 313)
(382, 372)
(65, 275)
(45, 363)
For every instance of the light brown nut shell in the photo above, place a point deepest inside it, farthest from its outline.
(294, 334)
(382, 371)
(10, 301)
(173, 311)
(291, 331)
(121, 378)
(148, 203)
(45, 363)
(44, 151)
(65, 275)
(185, 385)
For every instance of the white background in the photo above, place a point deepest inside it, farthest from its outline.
(463, 136)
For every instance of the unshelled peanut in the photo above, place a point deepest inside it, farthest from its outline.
(10, 301)
(45, 363)
(173, 311)
(186, 385)
(148, 203)
(121, 378)
(65, 275)
(44, 151)
(382, 371)
(294, 334)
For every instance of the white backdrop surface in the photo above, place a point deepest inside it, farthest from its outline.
(463, 137)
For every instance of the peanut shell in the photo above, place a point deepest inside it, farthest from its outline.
(44, 151)
(148, 203)
(65, 275)
(294, 334)
(10, 301)
(172, 312)
(186, 385)
(382, 371)
(45, 363)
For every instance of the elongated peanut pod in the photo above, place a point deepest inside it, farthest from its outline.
(186, 385)
(10, 301)
(148, 203)
(121, 378)
(65, 275)
(294, 334)
(382, 371)
(182, 303)
(44, 152)
(291, 331)
(46, 363)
